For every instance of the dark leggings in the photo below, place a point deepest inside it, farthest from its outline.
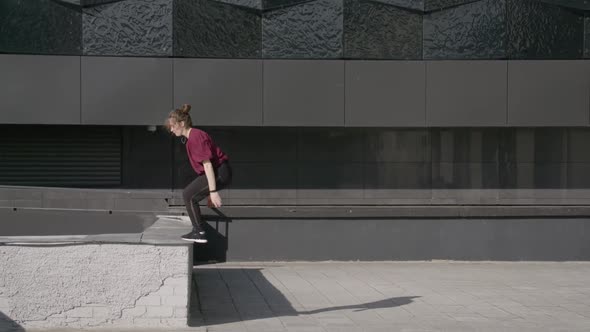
(199, 189)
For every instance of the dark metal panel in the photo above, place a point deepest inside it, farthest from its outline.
(548, 93)
(303, 93)
(145, 154)
(385, 93)
(510, 239)
(222, 92)
(131, 91)
(39, 89)
(466, 93)
(60, 156)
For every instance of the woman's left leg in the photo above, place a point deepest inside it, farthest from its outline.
(192, 194)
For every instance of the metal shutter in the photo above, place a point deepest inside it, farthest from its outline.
(60, 156)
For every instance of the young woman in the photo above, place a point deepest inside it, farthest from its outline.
(209, 162)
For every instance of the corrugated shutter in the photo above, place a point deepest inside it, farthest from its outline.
(60, 156)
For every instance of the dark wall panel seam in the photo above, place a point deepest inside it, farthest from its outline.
(344, 93)
(263, 63)
(80, 87)
(173, 84)
(426, 124)
(506, 101)
(172, 156)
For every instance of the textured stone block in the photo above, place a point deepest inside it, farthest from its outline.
(205, 28)
(179, 281)
(137, 311)
(92, 285)
(147, 322)
(173, 322)
(409, 4)
(39, 27)
(149, 300)
(426, 5)
(101, 312)
(471, 31)
(269, 4)
(256, 4)
(166, 291)
(159, 311)
(309, 30)
(374, 30)
(180, 312)
(541, 31)
(575, 4)
(136, 27)
(432, 5)
(181, 290)
(82, 312)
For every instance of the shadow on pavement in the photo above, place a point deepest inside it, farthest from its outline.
(227, 295)
(8, 325)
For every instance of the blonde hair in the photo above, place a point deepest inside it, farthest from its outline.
(179, 115)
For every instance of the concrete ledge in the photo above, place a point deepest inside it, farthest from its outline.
(85, 286)
(391, 212)
(138, 200)
(93, 269)
(31, 225)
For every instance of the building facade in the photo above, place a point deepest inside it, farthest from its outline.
(451, 129)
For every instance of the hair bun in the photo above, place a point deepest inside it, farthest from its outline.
(185, 108)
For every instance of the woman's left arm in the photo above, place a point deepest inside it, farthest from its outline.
(210, 174)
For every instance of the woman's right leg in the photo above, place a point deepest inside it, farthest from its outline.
(198, 190)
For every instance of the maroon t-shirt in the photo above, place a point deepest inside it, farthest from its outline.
(200, 147)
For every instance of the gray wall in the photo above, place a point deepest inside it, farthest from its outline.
(548, 93)
(283, 29)
(221, 92)
(385, 94)
(510, 239)
(466, 93)
(39, 89)
(334, 93)
(125, 91)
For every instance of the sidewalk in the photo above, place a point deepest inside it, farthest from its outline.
(392, 296)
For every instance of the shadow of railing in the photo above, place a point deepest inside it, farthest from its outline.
(217, 229)
(8, 325)
(381, 304)
(227, 295)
